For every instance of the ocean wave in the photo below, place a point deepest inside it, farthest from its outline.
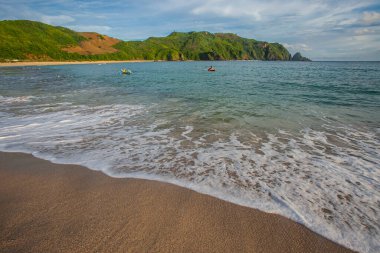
(16, 100)
(326, 178)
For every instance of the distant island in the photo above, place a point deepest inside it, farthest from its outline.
(298, 57)
(24, 40)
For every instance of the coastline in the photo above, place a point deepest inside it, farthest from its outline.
(52, 63)
(53, 207)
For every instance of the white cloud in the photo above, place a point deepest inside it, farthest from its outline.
(337, 15)
(57, 20)
(347, 22)
(255, 10)
(364, 31)
(91, 28)
(228, 10)
(298, 47)
(371, 17)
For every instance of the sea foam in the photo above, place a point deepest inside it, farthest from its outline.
(326, 179)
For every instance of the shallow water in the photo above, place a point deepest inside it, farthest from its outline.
(297, 139)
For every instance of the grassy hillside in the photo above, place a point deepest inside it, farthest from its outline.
(22, 39)
(203, 46)
(29, 40)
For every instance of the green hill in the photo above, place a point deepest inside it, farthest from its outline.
(201, 46)
(29, 40)
(22, 39)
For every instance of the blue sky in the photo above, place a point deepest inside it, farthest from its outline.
(321, 29)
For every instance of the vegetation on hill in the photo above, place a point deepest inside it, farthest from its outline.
(22, 39)
(29, 40)
(202, 46)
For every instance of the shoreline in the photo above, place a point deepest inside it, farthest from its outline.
(59, 207)
(52, 63)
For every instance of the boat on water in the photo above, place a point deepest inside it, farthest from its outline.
(126, 71)
(211, 69)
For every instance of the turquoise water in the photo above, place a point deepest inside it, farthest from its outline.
(298, 139)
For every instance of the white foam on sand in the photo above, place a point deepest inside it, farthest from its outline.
(327, 179)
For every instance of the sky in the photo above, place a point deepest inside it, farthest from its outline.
(321, 29)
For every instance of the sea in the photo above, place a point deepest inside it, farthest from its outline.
(299, 139)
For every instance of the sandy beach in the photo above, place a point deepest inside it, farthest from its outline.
(51, 63)
(47, 207)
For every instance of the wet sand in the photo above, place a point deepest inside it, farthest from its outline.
(48, 63)
(46, 207)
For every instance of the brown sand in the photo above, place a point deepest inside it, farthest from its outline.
(46, 207)
(48, 63)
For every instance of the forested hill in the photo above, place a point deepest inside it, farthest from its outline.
(30, 40)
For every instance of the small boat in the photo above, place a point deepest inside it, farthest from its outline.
(126, 71)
